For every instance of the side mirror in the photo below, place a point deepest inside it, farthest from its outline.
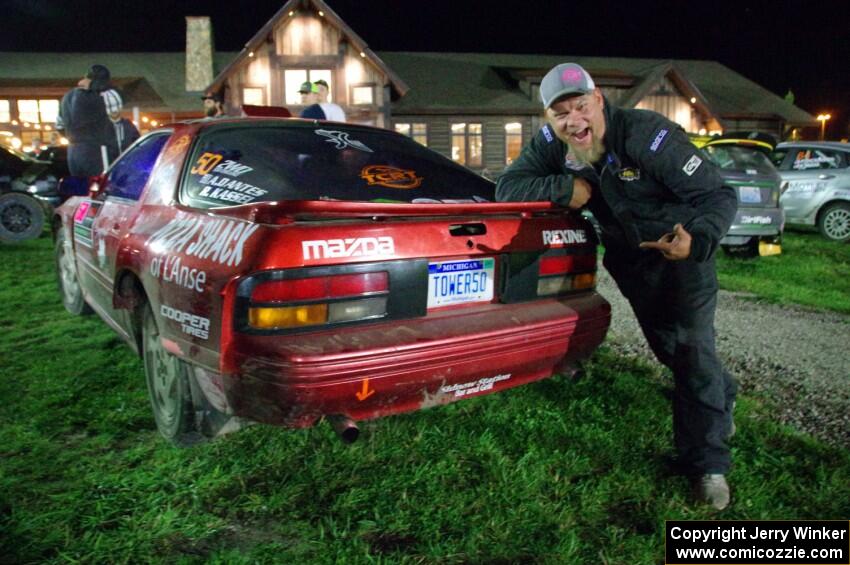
(97, 186)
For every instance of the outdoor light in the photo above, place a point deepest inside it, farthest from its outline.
(63, 141)
(822, 118)
(362, 54)
(693, 100)
(251, 54)
(292, 13)
(145, 119)
(321, 14)
(14, 122)
(154, 123)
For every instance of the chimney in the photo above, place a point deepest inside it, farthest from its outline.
(199, 53)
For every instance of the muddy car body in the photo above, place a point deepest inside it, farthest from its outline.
(282, 271)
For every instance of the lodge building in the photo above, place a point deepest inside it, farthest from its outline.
(478, 109)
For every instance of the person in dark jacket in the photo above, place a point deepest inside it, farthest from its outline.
(124, 132)
(85, 123)
(214, 104)
(662, 210)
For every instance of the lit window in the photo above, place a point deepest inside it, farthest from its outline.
(28, 111)
(294, 78)
(49, 110)
(292, 81)
(253, 96)
(513, 141)
(362, 95)
(5, 112)
(419, 132)
(467, 144)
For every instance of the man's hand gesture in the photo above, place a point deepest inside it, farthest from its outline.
(581, 193)
(673, 246)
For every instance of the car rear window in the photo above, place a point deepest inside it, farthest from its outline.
(736, 158)
(258, 163)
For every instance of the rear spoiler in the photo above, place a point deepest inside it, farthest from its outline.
(290, 210)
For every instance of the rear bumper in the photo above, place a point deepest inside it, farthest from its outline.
(369, 372)
(755, 222)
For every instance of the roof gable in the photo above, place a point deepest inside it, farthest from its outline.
(290, 9)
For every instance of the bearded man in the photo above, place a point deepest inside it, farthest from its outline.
(662, 210)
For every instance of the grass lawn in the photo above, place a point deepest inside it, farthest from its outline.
(811, 271)
(562, 471)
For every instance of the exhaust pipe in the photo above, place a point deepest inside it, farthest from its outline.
(345, 427)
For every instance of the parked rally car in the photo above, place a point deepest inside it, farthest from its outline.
(743, 159)
(818, 177)
(282, 271)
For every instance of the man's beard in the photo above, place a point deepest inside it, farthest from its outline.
(586, 156)
(591, 155)
(210, 111)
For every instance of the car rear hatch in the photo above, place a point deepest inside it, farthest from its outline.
(367, 309)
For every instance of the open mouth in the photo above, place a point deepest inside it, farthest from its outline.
(582, 136)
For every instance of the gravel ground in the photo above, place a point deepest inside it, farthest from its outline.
(795, 359)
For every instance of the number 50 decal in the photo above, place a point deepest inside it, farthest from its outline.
(205, 163)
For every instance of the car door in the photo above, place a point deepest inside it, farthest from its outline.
(125, 181)
(808, 171)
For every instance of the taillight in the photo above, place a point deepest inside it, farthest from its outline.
(300, 302)
(557, 274)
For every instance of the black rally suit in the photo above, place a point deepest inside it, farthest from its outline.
(651, 178)
(87, 128)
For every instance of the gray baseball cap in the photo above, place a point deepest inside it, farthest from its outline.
(563, 80)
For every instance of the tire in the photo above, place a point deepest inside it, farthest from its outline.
(21, 217)
(834, 222)
(749, 250)
(169, 390)
(66, 277)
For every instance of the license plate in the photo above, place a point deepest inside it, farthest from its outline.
(459, 282)
(750, 194)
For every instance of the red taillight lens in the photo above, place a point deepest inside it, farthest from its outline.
(315, 301)
(317, 288)
(559, 264)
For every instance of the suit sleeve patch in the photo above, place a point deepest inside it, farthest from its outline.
(547, 133)
(659, 139)
(692, 165)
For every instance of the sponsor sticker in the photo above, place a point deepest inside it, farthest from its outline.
(190, 324)
(219, 240)
(571, 162)
(226, 189)
(547, 133)
(659, 139)
(171, 269)
(342, 139)
(391, 177)
(472, 387)
(629, 174)
(205, 163)
(692, 165)
(763, 220)
(560, 238)
(80, 214)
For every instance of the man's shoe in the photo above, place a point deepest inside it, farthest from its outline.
(712, 489)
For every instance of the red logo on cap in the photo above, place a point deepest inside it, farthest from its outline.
(572, 75)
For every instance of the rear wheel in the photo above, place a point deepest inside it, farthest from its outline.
(168, 387)
(21, 217)
(66, 272)
(834, 222)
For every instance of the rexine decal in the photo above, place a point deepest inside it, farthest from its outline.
(559, 238)
(221, 241)
(349, 247)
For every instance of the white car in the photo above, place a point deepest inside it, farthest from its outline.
(818, 190)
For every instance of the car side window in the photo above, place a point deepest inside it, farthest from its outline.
(777, 157)
(815, 158)
(129, 175)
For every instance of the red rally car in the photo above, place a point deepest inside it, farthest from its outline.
(281, 271)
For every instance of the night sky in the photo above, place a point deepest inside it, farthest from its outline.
(796, 45)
